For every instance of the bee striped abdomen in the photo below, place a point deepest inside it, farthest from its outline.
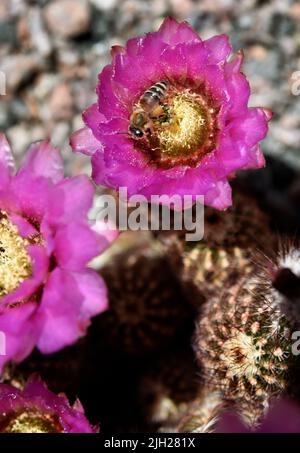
(154, 94)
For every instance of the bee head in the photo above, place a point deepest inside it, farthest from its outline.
(136, 132)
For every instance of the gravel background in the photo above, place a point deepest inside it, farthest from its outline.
(52, 51)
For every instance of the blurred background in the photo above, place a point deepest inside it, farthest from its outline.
(52, 50)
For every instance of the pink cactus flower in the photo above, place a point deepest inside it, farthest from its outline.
(47, 293)
(188, 133)
(37, 410)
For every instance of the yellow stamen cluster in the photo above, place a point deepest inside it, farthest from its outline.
(15, 263)
(33, 422)
(183, 128)
(188, 126)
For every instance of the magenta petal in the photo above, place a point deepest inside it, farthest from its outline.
(98, 168)
(218, 48)
(21, 332)
(108, 230)
(75, 254)
(43, 160)
(219, 196)
(59, 309)
(128, 71)
(256, 158)
(71, 199)
(6, 158)
(111, 104)
(37, 398)
(93, 288)
(30, 196)
(25, 228)
(237, 85)
(116, 50)
(173, 32)
(250, 128)
(150, 49)
(68, 320)
(72, 419)
(167, 61)
(83, 141)
(197, 58)
(92, 118)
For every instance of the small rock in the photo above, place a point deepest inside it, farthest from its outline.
(257, 52)
(44, 85)
(68, 18)
(60, 135)
(20, 138)
(281, 24)
(38, 34)
(181, 8)
(61, 102)
(4, 10)
(295, 11)
(18, 68)
(23, 31)
(83, 94)
(7, 118)
(19, 109)
(104, 5)
(8, 33)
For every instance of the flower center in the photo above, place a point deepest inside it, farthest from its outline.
(15, 263)
(187, 130)
(32, 422)
(241, 355)
(183, 128)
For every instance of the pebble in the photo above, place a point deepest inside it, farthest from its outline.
(38, 34)
(11, 8)
(181, 8)
(44, 85)
(19, 68)
(4, 10)
(7, 119)
(68, 18)
(105, 5)
(20, 138)
(61, 102)
(8, 33)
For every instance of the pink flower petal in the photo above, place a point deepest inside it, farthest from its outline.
(219, 48)
(43, 160)
(83, 141)
(72, 198)
(72, 254)
(6, 157)
(173, 32)
(69, 320)
(21, 332)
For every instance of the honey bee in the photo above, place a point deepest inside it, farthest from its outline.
(148, 108)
